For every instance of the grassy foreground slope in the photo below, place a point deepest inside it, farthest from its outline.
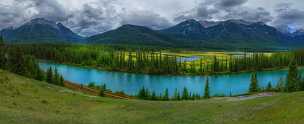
(27, 101)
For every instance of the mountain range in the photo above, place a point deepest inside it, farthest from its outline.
(41, 31)
(189, 33)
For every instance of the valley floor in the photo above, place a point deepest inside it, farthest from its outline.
(27, 101)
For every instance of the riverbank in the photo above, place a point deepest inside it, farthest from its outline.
(131, 84)
(28, 101)
(110, 94)
(94, 92)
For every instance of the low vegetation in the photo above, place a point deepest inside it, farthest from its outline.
(160, 61)
(28, 101)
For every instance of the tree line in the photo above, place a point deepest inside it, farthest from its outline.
(293, 82)
(185, 94)
(17, 61)
(147, 60)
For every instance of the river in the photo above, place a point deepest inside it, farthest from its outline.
(130, 83)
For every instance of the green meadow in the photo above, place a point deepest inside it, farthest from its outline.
(28, 101)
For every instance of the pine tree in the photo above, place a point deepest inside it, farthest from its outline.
(92, 85)
(166, 95)
(102, 91)
(153, 97)
(49, 77)
(269, 87)
(142, 93)
(39, 75)
(280, 85)
(1, 41)
(254, 83)
(293, 81)
(302, 85)
(104, 87)
(61, 81)
(206, 93)
(185, 95)
(56, 79)
(176, 95)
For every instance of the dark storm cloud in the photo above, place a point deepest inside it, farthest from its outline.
(230, 3)
(256, 15)
(24, 10)
(204, 11)
(227, 9)
(92, 18)
(145, 18)
(97, 16)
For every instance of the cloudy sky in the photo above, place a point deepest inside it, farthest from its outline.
(89, 17)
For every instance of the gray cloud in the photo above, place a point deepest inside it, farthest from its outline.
(257, 15)
(145, 18)
(49, 9)
(288, 18)
(97, 16)
(227, 9)
(229, 3)
(93, 18)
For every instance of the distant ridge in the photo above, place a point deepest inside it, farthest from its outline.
(131, 34)
(189, 33)
(40, 30)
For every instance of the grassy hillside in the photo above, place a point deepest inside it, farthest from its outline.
(28, 101)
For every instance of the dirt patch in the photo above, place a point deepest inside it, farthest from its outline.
(254, 96)
(93, 92)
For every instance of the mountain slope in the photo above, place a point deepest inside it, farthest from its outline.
(187, 30)
(132, 35)
(244, 34)
(226, 34)
(40, 31)
(296, 39)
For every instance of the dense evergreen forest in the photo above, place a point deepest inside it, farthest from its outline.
(16, 60)
(154, 61)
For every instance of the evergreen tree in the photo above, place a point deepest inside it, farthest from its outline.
(142, 93)
(39, 75)
(254, 83)
(102, 90)
(153, 97)
(302, 85)
(1, 41)
(166, 95)
(61, 81)
(49, 77)
(176, 95)
(280, 85)
(269, 87)
(92, 85)
(293, 80)
(56, 79)
(185, 95)
(207, 92)
(104, 87)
